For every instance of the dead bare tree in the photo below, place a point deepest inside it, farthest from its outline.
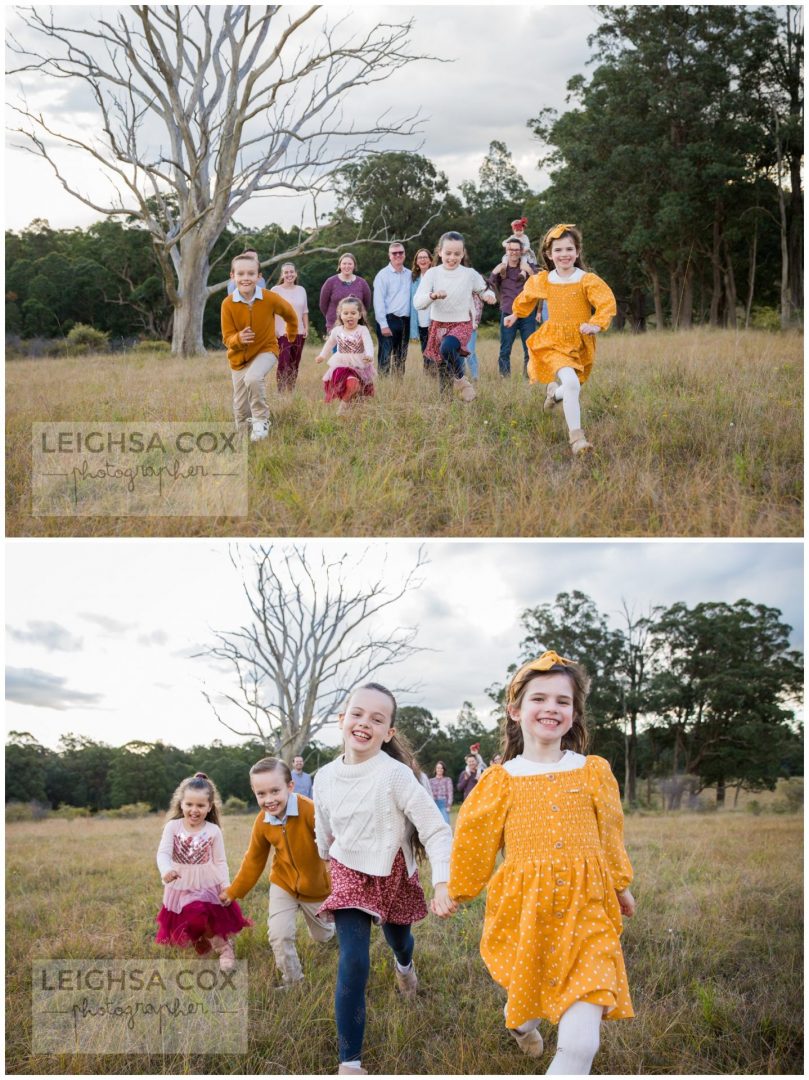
(201, 109)
(314, 634)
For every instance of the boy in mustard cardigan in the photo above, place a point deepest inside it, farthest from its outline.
(248, 331)
(299, 878)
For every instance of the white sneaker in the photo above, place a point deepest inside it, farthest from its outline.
(261, 429)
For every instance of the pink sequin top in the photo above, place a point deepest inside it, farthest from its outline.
(199, 859)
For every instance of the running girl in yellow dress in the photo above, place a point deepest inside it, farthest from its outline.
(580, 305)
(551, 935)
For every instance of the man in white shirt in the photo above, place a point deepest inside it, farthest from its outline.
(392, 310)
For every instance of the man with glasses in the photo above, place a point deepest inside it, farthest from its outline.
(392, 311)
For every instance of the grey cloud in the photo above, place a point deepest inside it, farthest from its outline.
(29, 686)
(107, 623)
(50, 635)
(156, 637)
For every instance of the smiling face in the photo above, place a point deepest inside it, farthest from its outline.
(545, 713)
(564, 254)
(289, 275)
(396, 255)
(297, 763)
(366, 725)
(424, 261)
(439, 769)
(245, 273)
(514, 253)
(347, 265)
(195, 807)
(271, 791)
(451, 253)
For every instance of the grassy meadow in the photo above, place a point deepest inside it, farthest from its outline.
(695, 434)
(714, 957)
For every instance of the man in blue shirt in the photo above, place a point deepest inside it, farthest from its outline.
(302, 780)
(392, 311)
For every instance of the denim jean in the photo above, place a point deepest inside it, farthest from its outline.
(393, 349)
(472, 359)
(524, 327)
(442, 806)
(354, 939)
(451, 366)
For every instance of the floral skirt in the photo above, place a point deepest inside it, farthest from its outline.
(396, 898)
(439, 330)
(197, 923)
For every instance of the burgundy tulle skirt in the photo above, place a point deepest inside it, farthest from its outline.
(336, 385)
(197, 923)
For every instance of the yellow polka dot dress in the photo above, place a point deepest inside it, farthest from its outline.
(551, 935)
(558, 342)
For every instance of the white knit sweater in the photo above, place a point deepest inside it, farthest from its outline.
(365, 813)
(458, 284)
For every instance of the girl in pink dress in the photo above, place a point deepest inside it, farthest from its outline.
(351, 367)
(372, 816)
(192, 864)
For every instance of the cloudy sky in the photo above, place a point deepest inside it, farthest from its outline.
(505, 67)
(101, 634)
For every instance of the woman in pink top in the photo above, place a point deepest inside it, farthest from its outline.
(289, 352)
(441, 787)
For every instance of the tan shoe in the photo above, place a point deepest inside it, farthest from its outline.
(579, 443)
(530, 1043)
(227, 957)
(464, 389)
(550, 402)
(406, 982)
(344, 1070)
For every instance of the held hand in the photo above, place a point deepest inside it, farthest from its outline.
(488, 297)
(440, 295)
(247, 335)
(169, 876)
(627, 903)
(589, 328)
(441, 904)
(509, 320)
(224, 898)
(386, 331)
(319, 359)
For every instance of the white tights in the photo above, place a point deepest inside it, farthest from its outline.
(578, 1038)
(568, 394)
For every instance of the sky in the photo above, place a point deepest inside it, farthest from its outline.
(101, 634)
(503, 70)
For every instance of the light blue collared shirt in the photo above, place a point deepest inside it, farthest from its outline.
(292, 811)
(391, 294)
(238, 298)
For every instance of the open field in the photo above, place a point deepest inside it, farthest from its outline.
(695, 434)
(714, 957)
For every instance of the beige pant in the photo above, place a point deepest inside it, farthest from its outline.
(249, 390)
(281, 930)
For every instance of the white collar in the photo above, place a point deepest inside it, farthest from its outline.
(575, 277)
(238, 298)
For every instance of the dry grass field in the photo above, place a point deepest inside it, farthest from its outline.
(695, 434)
(714, 956)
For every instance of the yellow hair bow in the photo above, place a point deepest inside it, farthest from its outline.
(545, 662)
(556, 232)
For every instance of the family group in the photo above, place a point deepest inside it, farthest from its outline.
(441, 297)
(347, 857)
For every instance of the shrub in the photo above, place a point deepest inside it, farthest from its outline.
(753, 807)
(234, 805)
(68, 813)
(765, 318)
(129, 810)
(30, 811)
(82, 339)
(156, 346)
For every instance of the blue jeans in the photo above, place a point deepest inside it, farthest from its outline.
(525, 327)
(393, 349)
(442, 806)
(354, 938)
(472, 360)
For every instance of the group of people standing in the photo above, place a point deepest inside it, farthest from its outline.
(556, 311)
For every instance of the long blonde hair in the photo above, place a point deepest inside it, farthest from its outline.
(198, 782)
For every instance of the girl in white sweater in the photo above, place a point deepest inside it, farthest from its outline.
(372, 816)
(448, 290)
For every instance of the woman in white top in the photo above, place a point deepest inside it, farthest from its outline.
(289, 352)
(448, 290)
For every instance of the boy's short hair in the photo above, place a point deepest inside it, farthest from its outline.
(270, 764)
(251, 256)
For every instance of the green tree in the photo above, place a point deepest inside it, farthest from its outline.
(26, 763)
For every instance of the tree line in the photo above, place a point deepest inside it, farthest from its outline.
(705, 693)
(680, 158)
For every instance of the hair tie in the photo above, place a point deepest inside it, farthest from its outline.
(548, 660)
(200, 776)
(556, 232)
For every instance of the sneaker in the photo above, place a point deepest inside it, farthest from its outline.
(551, 400)
(344, 1070)
(227, 957)
(579, 443)
(288, 984)
(406, 981)
(260, 430)
(530, 1043)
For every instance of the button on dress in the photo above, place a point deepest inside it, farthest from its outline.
(558, 342)
(551, 934)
